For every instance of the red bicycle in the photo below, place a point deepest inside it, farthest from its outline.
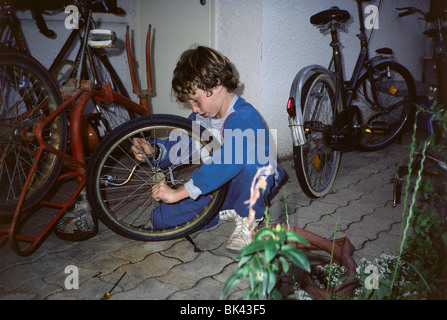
(35, 132)
(33, 137)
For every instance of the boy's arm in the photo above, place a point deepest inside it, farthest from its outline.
(238, 149)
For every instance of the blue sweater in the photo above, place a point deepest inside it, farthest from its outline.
(245, 148)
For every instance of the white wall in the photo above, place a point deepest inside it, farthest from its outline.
(268, 41)
(177, 26)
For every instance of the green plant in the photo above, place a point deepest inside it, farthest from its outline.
(264, 260)
(426, 246)
(268, 255)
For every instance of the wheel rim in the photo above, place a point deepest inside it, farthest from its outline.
(383, 122)
(319, 161)
(25, 100)
(123, 188)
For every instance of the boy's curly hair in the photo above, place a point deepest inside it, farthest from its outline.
(202, 68)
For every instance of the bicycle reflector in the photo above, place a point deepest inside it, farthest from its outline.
(291, 107)
(393, 90)
(101, 38)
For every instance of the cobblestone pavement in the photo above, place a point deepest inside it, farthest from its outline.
(360, 202)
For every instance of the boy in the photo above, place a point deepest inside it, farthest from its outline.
(204, 78)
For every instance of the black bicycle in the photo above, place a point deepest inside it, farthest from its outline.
(435, 126)
(328, 115)
(436, 31)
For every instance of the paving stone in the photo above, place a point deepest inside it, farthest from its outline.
(135, 251)
(206, 264)
(360, 201)
(206, 289)
(36, 289)
(149, 289)
(154, 265)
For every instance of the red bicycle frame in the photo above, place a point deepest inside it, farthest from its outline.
(75, 98)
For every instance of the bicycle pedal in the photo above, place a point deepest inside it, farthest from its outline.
(101, 38)
(344, 141)
(377, 127)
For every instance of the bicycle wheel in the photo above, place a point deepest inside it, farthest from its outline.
(119, 187)
(28, 95)
(386, 101)
(109, 114)
(316, 163)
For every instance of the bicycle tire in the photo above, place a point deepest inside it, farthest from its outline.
(128, 209)
(28, 95)
(316, 163)
(396, 94)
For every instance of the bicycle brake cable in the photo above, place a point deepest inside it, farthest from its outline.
(377, 17)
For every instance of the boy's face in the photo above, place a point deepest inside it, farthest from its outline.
(209, 105)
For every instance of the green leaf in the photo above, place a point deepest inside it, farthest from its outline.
(281, 235)
(275, 267)
(295, 237)
(296, 256)
(253, 247)
(244, 260)
(265, 281)
(271, 249)
(252, 280)
(231, 282)
(285, 264)
(264, 233)
(258, 263)
(271, 280)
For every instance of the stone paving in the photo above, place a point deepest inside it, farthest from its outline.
(360, 203)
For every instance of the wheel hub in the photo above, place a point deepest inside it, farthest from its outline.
(17, 132)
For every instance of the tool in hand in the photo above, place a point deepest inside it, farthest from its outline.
(106, 295)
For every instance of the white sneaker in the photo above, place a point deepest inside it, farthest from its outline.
(226, 215)
(241, 236)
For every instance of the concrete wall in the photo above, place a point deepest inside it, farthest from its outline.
(177, 26)
(268, 41)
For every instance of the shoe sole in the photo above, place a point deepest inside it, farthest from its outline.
(234, 250)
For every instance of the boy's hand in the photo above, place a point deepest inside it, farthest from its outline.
(140, 145)
(162, 192)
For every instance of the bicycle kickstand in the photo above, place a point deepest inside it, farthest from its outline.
(142, 94)
(196, 249)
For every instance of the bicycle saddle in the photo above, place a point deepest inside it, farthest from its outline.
(331, 14)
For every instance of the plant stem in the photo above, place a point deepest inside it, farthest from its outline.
(410, 211)
(332, 256)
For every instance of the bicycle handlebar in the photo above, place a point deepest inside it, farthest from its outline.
(428, 16)
(83, 5)
(409, 11)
